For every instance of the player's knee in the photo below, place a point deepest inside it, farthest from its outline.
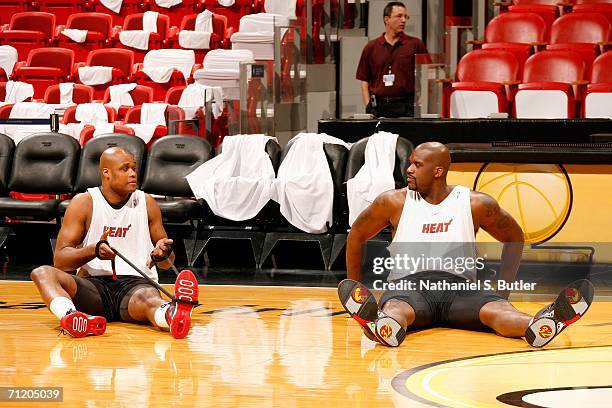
(41, 273)
(394, 307)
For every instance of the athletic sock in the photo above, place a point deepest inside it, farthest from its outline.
(61, 306)
(160, 316)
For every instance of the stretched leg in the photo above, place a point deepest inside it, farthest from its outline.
(53, 283)
(504, 318)
(400, 311)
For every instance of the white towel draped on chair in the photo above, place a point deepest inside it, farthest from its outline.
(66, 89)
(151, 116)
(18, 92)
(120, 95)
(159, 64)
(304, 187)
(95, 75)
(8, 59)
(257, 34)
(167, 3)
(284, 8)
(139, 39)
(103, 129)
(375, 176)
(199, 38)
(27, 110)
(195, 96)
(114, 5)
(236, 183)
(226, 3)
(75, 35)
(91, 113)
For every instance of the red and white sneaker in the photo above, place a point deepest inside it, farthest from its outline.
(361, 305)
(79, 324)
(178, 314)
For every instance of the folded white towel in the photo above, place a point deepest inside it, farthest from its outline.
(159, 64)
(285, 8)
(138, 39)
(95, 75)
(167, 3)
(194, 40)
(75, 35)
(66, 89)
(31, 110)
(195, 96)
(120, 95)
(91, 113)
(18, 92)
(149, 21)
(226, 3)
(8, 58)
(103, 129)
(145, 132)
(153, 114)
(114, 5)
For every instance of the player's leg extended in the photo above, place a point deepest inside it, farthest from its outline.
(57, 289)
(504, 318)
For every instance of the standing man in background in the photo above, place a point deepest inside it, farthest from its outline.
(387, 65)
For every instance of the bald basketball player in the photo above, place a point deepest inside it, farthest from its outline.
(105, 287)
(414, 214)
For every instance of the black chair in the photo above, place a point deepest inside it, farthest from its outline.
(281, 230)
(170, 159)
(252, 230)
(88, 174)
(355, 160)
(7, 148)
(43, 163)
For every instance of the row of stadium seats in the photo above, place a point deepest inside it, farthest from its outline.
(552, 84)
(52, 164)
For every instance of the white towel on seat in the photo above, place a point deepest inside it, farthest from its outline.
(159, 64)
(103, 129)
(224, 64)
(284, 8)
(375, 176)
(8, 59)
(75, 35)
(153, 114)
(96, 75)
(66, 89)
(114, 5)
(236, 183)
(27, 110)
(18, 91)
(226, 3)
(167, 3)
(91, 113)
(304, 187)
(72, 129)
(140, 38)
(120, 95)
(195, 96)
(199, 38)
(145, 132)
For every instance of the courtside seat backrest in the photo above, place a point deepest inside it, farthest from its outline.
(580, 28)
(482, 65)
(7, 148)
(34, 21)
(403, 149)
(89, 175)
(134, 22)
(516, 28)
(45, 163)
(56, 57)
(112, 57)
(98, 22)
(554, 66)
(602, 69)
(80, 94)
(170, 159)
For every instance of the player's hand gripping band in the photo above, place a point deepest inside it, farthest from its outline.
(98, 245)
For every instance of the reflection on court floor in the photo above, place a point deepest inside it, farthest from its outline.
(287, 346)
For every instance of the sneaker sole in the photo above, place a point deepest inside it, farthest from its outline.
(185, 288)
(361, 305)
(390, 331)
(541, 332)
(79, 324)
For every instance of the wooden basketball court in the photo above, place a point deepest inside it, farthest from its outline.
(294, 347)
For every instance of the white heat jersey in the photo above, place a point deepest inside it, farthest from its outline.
(440, 234)
(129, 234)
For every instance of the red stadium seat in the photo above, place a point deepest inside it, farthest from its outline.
(233, 13)
(172, 113)
(178, 78)
(80, 94)
(70, 115)
(88, 132)
(3, 93)
(46, 67)
(552, 85)
(175, 13)
(128, 7)
(29, 30)
(173, 96)
(482, 78)
(598, 99)
(10, 7)
(156, 40)
(141, 94)
(548, 13)
(99, 33)
(120, 60)
(62, 9)
(220, 37)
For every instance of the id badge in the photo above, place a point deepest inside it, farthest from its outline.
(389, 79)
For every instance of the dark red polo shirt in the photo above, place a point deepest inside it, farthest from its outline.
(374, 63)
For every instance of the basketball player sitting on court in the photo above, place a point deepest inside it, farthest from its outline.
(105, 287)
(428, 200)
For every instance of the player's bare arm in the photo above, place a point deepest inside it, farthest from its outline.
(489, 216)
(159, 237)
(384, 211)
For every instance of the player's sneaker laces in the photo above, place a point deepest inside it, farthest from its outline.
(178, 314)
(79, 324)
(361, 305)
(571, 304)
